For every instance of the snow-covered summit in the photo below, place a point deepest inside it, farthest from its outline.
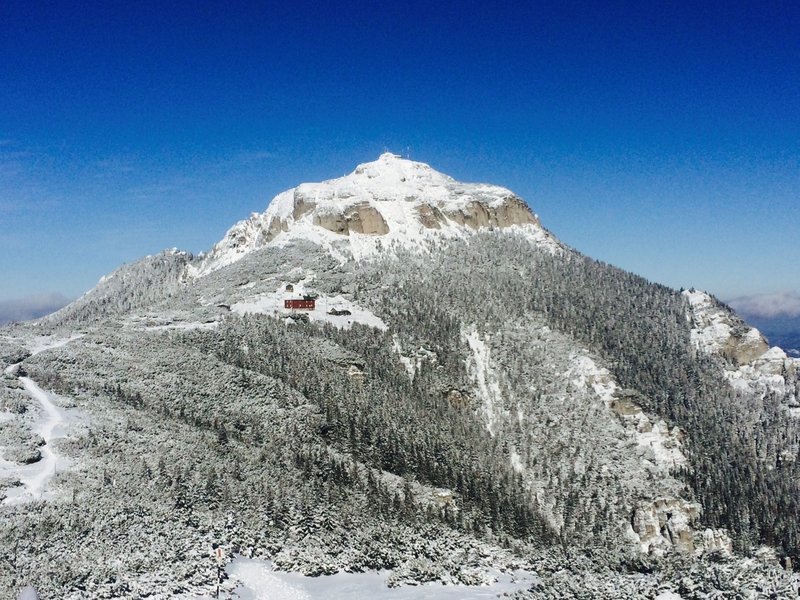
(389, 201)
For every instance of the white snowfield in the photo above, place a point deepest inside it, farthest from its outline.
(258, 581)
(49, 426)
(273, 304)
(404, 194)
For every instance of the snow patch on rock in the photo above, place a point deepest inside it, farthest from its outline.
(651, 433)
(751, 365)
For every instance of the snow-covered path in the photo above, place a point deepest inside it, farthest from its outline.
(258, 581)
(34, 477)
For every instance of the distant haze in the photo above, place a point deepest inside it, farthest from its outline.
(776, 315)
(784, 304)
(30, 307)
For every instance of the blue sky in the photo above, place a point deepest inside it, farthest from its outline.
(662, 137)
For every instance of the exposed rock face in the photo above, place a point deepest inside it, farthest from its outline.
(457, 398)
(744, 345)
(364, 218)
(276, 226)
(302, 205)
(666, 524)
(477, 214)
(356, 374)
(514, 212)
(713, 540)
(430, 216)
(361, 218)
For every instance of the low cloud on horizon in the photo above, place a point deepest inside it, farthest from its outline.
(31, 307)
(779, 304)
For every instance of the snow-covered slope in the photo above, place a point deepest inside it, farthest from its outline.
(391, 201)
(752, 365)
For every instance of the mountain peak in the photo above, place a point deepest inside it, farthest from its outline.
(389, 201)
(393, 168)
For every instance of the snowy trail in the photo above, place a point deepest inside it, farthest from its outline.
(258, 581)
(34, 477)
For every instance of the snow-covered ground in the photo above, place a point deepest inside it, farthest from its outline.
(273, 303)
(49, 426)
(34, 477)
(47, 342)
(183, 326)
(258, 581)
(482, 372)
(650, 433)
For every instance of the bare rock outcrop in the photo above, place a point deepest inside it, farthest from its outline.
(666, 524)
(744, 345)
(359, 218)
(363, 218)
(430, 216)
(512, 211)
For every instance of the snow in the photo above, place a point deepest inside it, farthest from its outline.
(713, 330)
(394, 187)
(413, 362)
(516, 462)
(34, 477)
(273, 303)
(664, 443)
(772, 354)
(49, 426)
(668, 596)
(649, 434)
(46, 342)
(408, 364)
(28, 593)
(258, 581)
(184, 326)
(484, 376)
(713, 327)
(586, 373)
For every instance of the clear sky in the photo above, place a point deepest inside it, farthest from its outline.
(662, 137)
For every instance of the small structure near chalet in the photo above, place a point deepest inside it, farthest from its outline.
(339, 312)
(289, 287)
